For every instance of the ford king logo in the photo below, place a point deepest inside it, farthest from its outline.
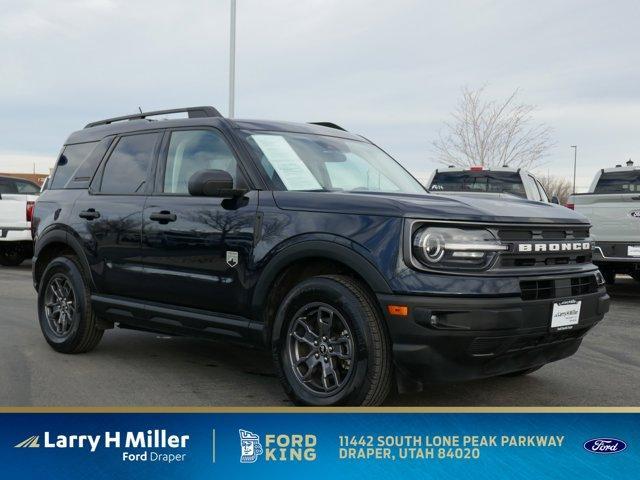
(635, 214)
(543, 247)
(605, 445)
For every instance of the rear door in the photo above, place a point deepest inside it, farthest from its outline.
(196, 249)
(108, 216)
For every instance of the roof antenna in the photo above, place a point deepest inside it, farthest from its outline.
(140, 108)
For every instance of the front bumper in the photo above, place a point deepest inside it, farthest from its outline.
(449, 339)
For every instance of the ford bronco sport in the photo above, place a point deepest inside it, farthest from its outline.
(312, 242)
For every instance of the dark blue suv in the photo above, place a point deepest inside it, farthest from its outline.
(312, 242)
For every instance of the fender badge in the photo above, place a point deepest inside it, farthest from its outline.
(635, 214)
(232, 259)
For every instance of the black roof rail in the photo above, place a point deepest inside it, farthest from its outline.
(329, 125)
(193, 112)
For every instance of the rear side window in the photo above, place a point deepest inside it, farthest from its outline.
(27, 188)
(7, 186)
(619, 182)
(72, 157)
(491, 182)
(128, 165)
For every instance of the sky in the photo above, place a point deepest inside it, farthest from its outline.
(389, 70)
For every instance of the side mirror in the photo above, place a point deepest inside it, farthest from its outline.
(213, 183)
(555, 200)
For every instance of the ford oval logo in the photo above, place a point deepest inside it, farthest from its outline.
(635, 213)
(605, 445)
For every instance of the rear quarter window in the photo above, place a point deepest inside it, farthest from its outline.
(71, 160)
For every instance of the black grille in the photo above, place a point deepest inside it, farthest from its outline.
(490, 346)
(523, 234)
(515, 259)
(556, 288)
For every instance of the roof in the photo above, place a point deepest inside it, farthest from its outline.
(96, 131)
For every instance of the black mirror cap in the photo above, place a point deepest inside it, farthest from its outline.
(213, 183)
(555, 200)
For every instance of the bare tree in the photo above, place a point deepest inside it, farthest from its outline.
(491, 133)
(558, 186)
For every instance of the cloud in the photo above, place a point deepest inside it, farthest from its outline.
(389, 70)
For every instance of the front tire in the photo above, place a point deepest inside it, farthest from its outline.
(66, 318)
(330, 346)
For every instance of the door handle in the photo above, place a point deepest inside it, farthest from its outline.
(163, 217)
(90, 214)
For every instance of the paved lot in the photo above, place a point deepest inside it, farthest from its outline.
(139, 369)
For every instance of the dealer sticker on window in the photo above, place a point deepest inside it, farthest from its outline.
(633, 251)
(565, 314)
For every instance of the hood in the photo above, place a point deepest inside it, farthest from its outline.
(503, 209)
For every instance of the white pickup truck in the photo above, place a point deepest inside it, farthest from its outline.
(613, 206)
(496, 182)
(17, 198)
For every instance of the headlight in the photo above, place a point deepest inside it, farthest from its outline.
(455, 248)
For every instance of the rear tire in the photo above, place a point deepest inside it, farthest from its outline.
(66, 318)
(11, 257)
(330, 346)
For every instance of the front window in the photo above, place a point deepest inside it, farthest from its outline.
(302, 162)
(481, 182)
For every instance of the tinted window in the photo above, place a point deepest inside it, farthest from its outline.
(128, 165)
(492, 182)
(193, 150)
(27, 188)
(7, 185)
(619, 182)
(73, 156)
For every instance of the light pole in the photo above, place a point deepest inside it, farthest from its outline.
(232, 60)
(575, 160)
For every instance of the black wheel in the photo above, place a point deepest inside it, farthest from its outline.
(520, 373)
(64, 308)
(11, 257)
(330, 346)
(609, 276)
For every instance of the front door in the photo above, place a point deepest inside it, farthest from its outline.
(195, 249)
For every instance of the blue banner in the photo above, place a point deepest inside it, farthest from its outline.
(330, 444)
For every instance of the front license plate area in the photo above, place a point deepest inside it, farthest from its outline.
(565, 315)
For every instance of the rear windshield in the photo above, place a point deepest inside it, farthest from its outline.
(619, 182)
(491, 182)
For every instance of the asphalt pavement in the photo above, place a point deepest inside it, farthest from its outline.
(141, 369)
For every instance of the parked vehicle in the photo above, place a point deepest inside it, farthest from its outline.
(613, 206)
(17, 197)
(309, 241)
(496, 182)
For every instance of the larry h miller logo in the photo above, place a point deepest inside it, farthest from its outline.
(605, 445)
(250, 446)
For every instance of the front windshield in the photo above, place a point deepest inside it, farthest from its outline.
(297, 161)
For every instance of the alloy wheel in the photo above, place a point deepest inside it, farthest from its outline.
(320, 348)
